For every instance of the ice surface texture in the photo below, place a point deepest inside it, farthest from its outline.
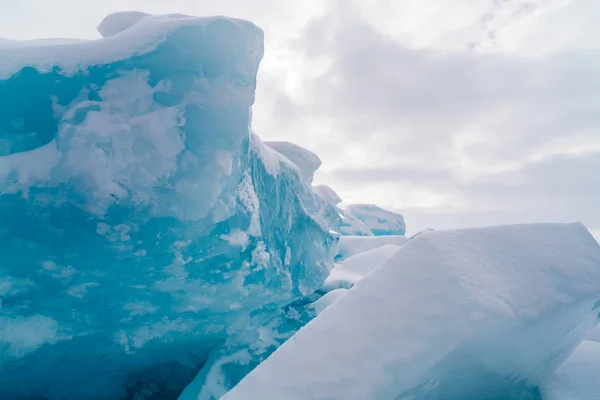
(141, 220)
(469, 314)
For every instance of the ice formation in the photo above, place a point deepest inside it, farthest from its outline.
(327, 194)
(469, 314)
(153, 247)
(142, 222)
(379, 221)
(306, 161)
(349, 225)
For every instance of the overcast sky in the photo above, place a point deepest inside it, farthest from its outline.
(453, 112)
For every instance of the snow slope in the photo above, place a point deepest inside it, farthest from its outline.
(467, 314)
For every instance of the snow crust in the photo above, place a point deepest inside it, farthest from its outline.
(144, 37)
(467, 314)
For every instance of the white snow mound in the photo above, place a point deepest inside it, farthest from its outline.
(464, 314)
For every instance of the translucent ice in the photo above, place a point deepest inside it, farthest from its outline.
(460, 315)
(142, 222)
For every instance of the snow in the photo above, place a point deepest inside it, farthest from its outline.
(118, 22)
(306, 161)
(379, 221)
(469, 314)
(351, 245)
(327, 300)
(577, 378)
(143, 37)
(351, 270)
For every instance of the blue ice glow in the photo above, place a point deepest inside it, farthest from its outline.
(142, 221)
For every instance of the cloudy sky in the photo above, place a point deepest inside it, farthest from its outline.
(454, 112)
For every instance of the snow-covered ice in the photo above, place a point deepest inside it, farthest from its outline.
(153, 246)
(142, 222)
(327, 194)
(306, 161)
(351, 270)
(467, 314)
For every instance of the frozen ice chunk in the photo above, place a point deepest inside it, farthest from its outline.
(352, 226)
(349, 225)
(246, 348)
(327, 194)
(306, 161)
(380, 221)
(577, 378)
(351, 245)
(467, 314)
(142, 222)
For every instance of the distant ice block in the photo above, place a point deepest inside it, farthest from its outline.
(327, 194)
(468, 314)
(306, 161)
(352, 226)
(578, 378)
(380, 221)
(142, 223)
